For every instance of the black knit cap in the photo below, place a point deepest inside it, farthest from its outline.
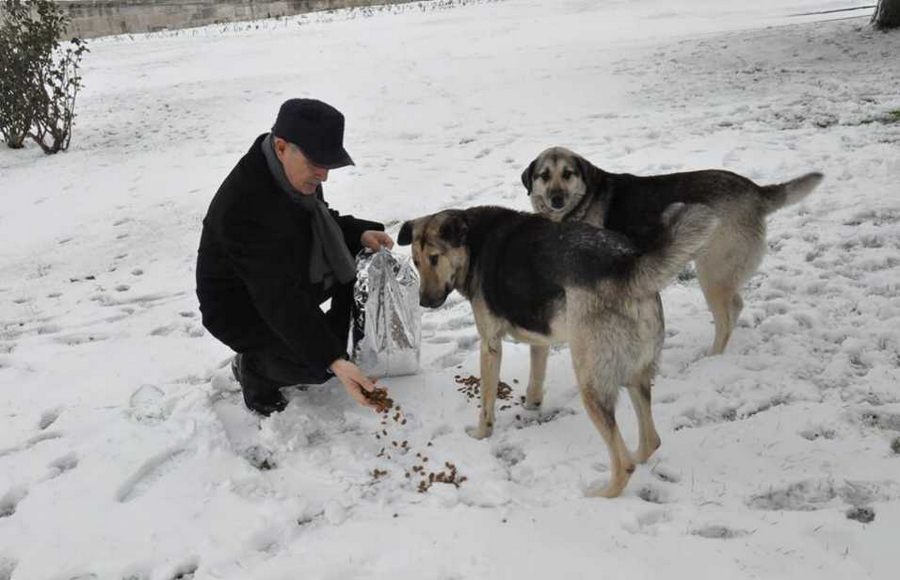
(316, 128)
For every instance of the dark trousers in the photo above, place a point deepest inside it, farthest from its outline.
(274, 365)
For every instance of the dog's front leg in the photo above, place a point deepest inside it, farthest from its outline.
(534, 396)
(491, 354)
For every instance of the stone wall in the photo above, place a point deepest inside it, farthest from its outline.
(92, 18)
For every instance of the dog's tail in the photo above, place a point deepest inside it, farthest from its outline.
(686, 228)
(781, 194)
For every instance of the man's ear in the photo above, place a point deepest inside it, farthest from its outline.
(594, 178)
(528, 176)
(279, 145)
(404, 238)
(455, 229)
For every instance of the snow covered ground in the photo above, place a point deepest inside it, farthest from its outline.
(125, 452)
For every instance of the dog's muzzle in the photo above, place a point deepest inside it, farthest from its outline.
(430, 302)
(557, 201)
(435, 301)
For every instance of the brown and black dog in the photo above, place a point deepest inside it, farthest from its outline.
(546, 283)
(565, 186)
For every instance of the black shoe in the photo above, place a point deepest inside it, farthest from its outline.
(264, 403)
(259, 395)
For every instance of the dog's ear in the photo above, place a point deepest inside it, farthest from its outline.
(404, 238)
(455, 229)
(594, 177)
(528, 176)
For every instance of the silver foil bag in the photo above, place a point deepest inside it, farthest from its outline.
(387, 320)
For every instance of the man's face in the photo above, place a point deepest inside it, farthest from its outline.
(304, 175)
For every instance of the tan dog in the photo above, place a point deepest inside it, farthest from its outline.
(547, 283)
(566, 187)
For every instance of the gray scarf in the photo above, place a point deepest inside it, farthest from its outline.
(329, 257)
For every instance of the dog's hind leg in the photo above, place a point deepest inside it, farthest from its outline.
(534, 396)
(601, 408)
(602, 352)
(737, 305)
(731, 256)
(721, 301)
(491, 355)
(639, 390)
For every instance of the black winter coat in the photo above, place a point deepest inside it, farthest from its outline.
(253, 266)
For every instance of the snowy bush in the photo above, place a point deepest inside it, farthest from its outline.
(39, 76)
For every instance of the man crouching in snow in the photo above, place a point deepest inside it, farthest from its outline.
(271, 253)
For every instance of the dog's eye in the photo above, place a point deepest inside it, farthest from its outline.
(567, 174)
(434, 259)
(545, 176)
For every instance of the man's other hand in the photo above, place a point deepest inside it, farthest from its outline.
(375, 240)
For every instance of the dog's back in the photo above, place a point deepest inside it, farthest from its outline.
(634, 204)
(521, 263)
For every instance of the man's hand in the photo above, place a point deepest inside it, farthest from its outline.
(375, 240)
(354, 380)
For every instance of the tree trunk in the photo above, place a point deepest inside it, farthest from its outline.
(887, 14)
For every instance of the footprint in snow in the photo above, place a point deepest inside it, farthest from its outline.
(144, 301)
(665, 474)
(818, 432)
(163, 330)
(653, 494)
(815, 494)
(48, 418)
(883, 420)
(189, 329)
(7, 567)
(136, 573)
(61, 465)
(40, 437)
(718, 532)
(79, 339)
(863, 515)
(149, 473)
(534, 419)
(648, 523)
(509, 455)
(147, 405)
(185, 571)
(10, 501)
(48, 329)
(242, 432)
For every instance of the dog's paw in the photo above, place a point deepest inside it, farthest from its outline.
(533, 405)
(479, 432)
(610, 490)
(615, 485)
